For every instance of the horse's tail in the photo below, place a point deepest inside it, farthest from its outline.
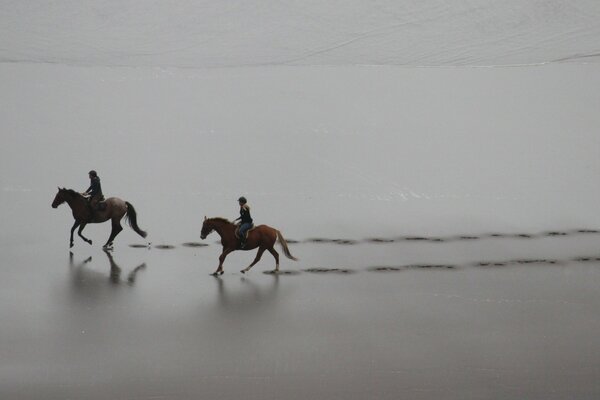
(132, 219)
(284, 245)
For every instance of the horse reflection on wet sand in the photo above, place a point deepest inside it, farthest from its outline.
(246, 297)
(89, 277)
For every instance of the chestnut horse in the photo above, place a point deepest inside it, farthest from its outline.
(115, 210)
(263, 237)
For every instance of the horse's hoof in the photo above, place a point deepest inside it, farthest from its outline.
(222, 272)
(90, 242)
(71, 246)
(243, 271)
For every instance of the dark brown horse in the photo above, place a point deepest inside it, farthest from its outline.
(115, 210)
(263, 237)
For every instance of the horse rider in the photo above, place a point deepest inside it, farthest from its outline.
(94, 191)
(245, 220)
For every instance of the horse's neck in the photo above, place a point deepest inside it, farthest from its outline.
(77, 204)
(223, 228)
(74, 201)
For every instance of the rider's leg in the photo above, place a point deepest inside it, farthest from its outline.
(243, 233)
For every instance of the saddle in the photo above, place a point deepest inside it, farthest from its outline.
(237, 231)
(98, 204)
(101, 206)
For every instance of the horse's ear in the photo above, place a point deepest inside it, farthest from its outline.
(205, 218)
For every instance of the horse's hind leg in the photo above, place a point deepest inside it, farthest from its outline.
(256, 259)
(81, 235)
(276, 255)
(75, 225)
(116, 228)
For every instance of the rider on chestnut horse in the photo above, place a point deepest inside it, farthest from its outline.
(245, 220)
(262, 237)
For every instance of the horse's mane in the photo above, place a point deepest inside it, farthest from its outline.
(221, 219)
(73, 193)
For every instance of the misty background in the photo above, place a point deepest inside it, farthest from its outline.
(465, 120)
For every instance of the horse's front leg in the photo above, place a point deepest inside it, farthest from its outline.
(256, 259)
(219, 270)
(75, 225)
(81, 235)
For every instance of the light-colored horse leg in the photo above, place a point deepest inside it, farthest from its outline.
(256, 259)
(75, 225)
(81, 234)
(276, 255)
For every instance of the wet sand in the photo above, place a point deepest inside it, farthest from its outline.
(445, 220)
(420, 320)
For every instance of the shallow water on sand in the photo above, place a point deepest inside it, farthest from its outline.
(442, 233)
(152, 323)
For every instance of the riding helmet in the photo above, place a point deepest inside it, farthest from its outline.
(242, 200)
(93, 173)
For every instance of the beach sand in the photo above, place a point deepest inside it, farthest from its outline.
(367, 320)
(446, 219)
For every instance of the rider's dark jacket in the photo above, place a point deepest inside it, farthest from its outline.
(95, 189)
(245, 215)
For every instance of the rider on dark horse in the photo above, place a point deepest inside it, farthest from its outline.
(94, 191)
(245, 220)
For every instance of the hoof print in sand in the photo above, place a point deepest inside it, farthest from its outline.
(194, 244)
(164, 246)
(329, 270)
(285, 272)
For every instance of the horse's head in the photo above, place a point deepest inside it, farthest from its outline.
(66, 195)
(207, 228)
(60, 197)
(211, 224)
